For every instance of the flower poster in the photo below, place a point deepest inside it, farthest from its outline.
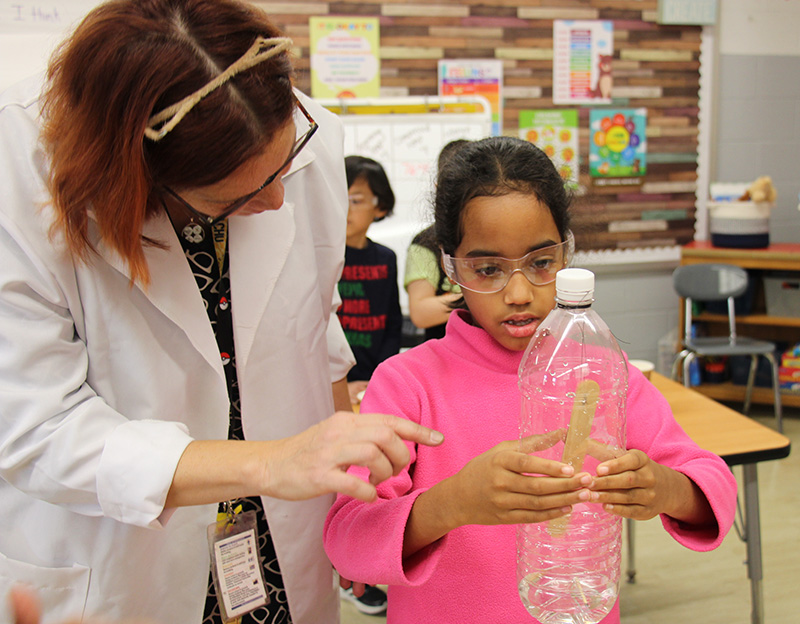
(475, 77)
(617, 142)
(345, 59)
(555, 132)
(582, 54)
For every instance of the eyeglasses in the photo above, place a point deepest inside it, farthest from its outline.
(359, 202)
(491, 274)
(299, 144)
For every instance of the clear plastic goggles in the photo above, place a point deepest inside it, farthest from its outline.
(360, 202)
(491, 274)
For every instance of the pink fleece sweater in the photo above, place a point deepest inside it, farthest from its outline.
(465, 385)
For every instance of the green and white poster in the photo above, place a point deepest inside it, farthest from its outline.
(345, 59)
(555, 132)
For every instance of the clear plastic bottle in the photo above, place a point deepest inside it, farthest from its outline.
(574, 380)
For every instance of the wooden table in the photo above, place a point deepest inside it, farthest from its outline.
(739, 440)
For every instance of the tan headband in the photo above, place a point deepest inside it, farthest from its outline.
(261, 50)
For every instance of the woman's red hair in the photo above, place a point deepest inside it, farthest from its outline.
(126, 61)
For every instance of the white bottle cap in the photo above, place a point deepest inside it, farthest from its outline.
(575, 286)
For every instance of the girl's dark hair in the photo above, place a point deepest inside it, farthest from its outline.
(362, 167)
(493, 167)
(448, 150)
(128, 60)
(489, 168)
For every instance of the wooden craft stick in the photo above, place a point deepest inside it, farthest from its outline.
(580, 426)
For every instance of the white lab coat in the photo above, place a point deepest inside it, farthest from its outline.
(102, 385)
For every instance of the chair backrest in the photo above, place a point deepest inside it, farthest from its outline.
(709, 282)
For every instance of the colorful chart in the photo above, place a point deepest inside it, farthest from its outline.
(618, 145)
(555, 132)
(582, 55)
(475, 77)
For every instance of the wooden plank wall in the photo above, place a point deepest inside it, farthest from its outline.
(654, 66)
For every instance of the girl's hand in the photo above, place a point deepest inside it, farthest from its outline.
(358, 588)
(354, 388)
(634, 486)
(507, 486)
(504, 485)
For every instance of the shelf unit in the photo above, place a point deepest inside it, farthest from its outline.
(776, 257)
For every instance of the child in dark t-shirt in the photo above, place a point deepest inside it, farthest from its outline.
(370, 312)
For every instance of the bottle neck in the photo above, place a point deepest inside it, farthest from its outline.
(574, 305)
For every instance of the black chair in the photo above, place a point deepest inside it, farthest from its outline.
(720, 282)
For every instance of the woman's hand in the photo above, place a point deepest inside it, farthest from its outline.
(309, 464)
(634, 486)
(26, 609)
(316, 461)
(24, 606)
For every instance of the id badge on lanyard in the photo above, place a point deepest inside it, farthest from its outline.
(235, 565)
(233, 539)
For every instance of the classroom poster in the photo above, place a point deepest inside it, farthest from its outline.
(475, 77)
(687, 12)
(617, 144)
(345, 59)
(556, 133)
(582, 54)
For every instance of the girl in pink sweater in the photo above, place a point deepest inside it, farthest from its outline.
(441, 533)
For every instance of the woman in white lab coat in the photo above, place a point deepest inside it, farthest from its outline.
(117, 385)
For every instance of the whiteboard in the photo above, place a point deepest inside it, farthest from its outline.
(29, 32)
(406, 141)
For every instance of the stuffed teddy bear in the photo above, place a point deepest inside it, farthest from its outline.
(762, 190)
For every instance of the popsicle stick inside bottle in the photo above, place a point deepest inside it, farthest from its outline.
(577, 442)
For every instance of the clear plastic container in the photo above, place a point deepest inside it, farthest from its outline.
(573, 377)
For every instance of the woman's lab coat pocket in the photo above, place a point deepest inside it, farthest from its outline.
(62, 592)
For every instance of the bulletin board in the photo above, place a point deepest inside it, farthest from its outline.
(620, 221)
(405, 135)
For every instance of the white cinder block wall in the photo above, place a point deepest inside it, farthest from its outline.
(640, 308)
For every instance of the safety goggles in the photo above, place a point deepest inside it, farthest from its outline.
(359, 202)
(490, 274)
